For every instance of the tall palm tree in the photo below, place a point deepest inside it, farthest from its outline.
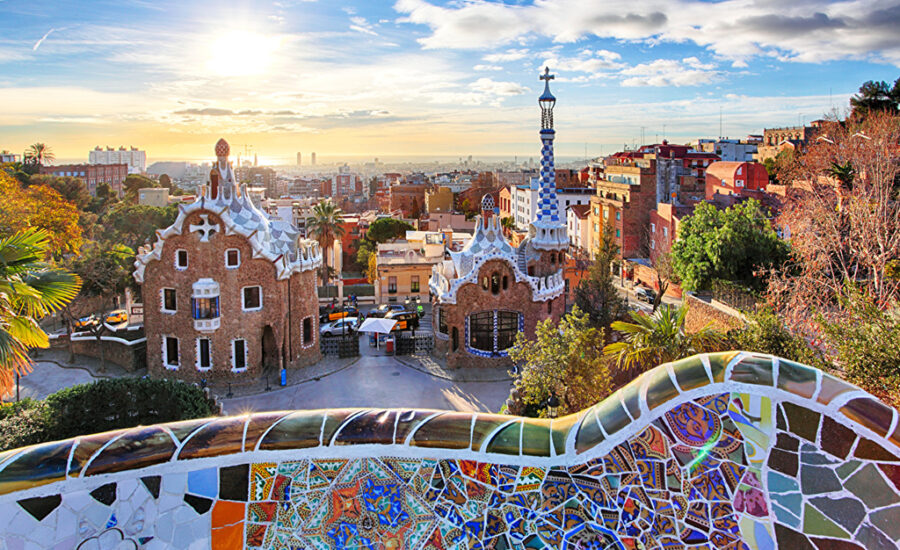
(325, 225)
(29, 290)
(39, 153)
(659, 338)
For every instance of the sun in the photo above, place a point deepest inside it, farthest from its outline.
(241, 53)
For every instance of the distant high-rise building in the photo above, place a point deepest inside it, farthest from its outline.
(299, 157)
(255, 160)
(313, 158)
(133, 157)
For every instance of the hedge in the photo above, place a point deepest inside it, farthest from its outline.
(101, 406)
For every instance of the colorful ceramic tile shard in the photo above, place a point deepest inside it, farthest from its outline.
(719, 451)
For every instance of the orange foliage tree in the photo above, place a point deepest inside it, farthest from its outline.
(42, 207)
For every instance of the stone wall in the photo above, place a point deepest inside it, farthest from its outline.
(703, 310)
(516, 297)
(207, 259)
(728, 450)
(130, 356)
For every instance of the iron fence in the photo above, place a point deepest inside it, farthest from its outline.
(341, 346)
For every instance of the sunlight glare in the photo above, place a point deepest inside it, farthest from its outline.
(241, 53)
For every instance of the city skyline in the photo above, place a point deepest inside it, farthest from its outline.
(417, 78)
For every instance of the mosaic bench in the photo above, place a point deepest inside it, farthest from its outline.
(730, 450)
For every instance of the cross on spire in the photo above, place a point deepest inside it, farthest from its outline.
(547, 76)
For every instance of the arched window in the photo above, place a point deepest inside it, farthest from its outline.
(495, 283)
(484, 283)
(562, 257)
(549, 307)
(505, 282)
(491, 333)
(552, 258)
(455, 338)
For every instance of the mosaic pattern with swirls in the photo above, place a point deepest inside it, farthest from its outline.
(721, 451)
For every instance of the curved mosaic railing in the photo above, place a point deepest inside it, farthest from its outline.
(728, 450)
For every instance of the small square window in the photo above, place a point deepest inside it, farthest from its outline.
(618, 233)
(170, 352)
(392, 284)
(414, 283)
(181, 259)
(232, 258)
(252, 298)
(169, 301)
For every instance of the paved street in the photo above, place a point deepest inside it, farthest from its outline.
(380, 382)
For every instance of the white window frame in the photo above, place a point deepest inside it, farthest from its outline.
(165, 352)
(238, 264)
(652, 227)
(243, 298)
(197, 356)
(162, 301)
(246, 355)
(186, 257)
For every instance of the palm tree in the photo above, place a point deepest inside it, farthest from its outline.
(325, 225)
(29, 290)
(659, 338)
(39, 153)
(508, 224)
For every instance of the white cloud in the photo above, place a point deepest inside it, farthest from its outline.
(670, 72)
(587, 61)
(735, 29)
(508, 55)
(493, 87)
(361, 25)
(481, 67)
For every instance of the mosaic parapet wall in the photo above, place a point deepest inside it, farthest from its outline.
(724, 451)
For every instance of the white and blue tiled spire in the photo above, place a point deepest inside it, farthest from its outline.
(549, 229)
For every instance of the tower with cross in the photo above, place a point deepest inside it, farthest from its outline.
(547, 229)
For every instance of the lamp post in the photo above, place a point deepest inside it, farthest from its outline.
(552, 406)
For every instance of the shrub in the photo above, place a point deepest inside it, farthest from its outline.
(101, 406)
(765, 332)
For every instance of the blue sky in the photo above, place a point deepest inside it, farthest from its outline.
(422, 77)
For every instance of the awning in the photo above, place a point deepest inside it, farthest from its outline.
(377, 324)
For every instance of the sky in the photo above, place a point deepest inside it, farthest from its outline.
(413, 78)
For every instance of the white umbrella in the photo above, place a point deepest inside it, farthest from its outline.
(377, 324)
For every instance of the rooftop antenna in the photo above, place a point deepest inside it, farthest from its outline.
(664, 132)
(642, 135)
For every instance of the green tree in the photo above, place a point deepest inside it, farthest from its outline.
(38, 154)
(875, 96)
(733, 245)
(325, 225)
(596, 294)
(383, 230)
(134, 225)
(508, 224)
(134, 183)
(165, 181)
(29, 290)
(652, 340)
(565, 360)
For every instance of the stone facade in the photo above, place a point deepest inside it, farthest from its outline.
(218, 247)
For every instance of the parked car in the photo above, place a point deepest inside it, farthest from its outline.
(338, 313)
(644, 294)
(347, 325)
(384, 309)
(86, 322)
(406, 320)
(116, 317)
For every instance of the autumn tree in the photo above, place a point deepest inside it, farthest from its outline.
(42, 207)
(843, 218)
(565, 360)
(70, 188)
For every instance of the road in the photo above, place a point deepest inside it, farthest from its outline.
(381, 382)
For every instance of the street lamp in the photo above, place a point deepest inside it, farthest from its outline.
(552, 406)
